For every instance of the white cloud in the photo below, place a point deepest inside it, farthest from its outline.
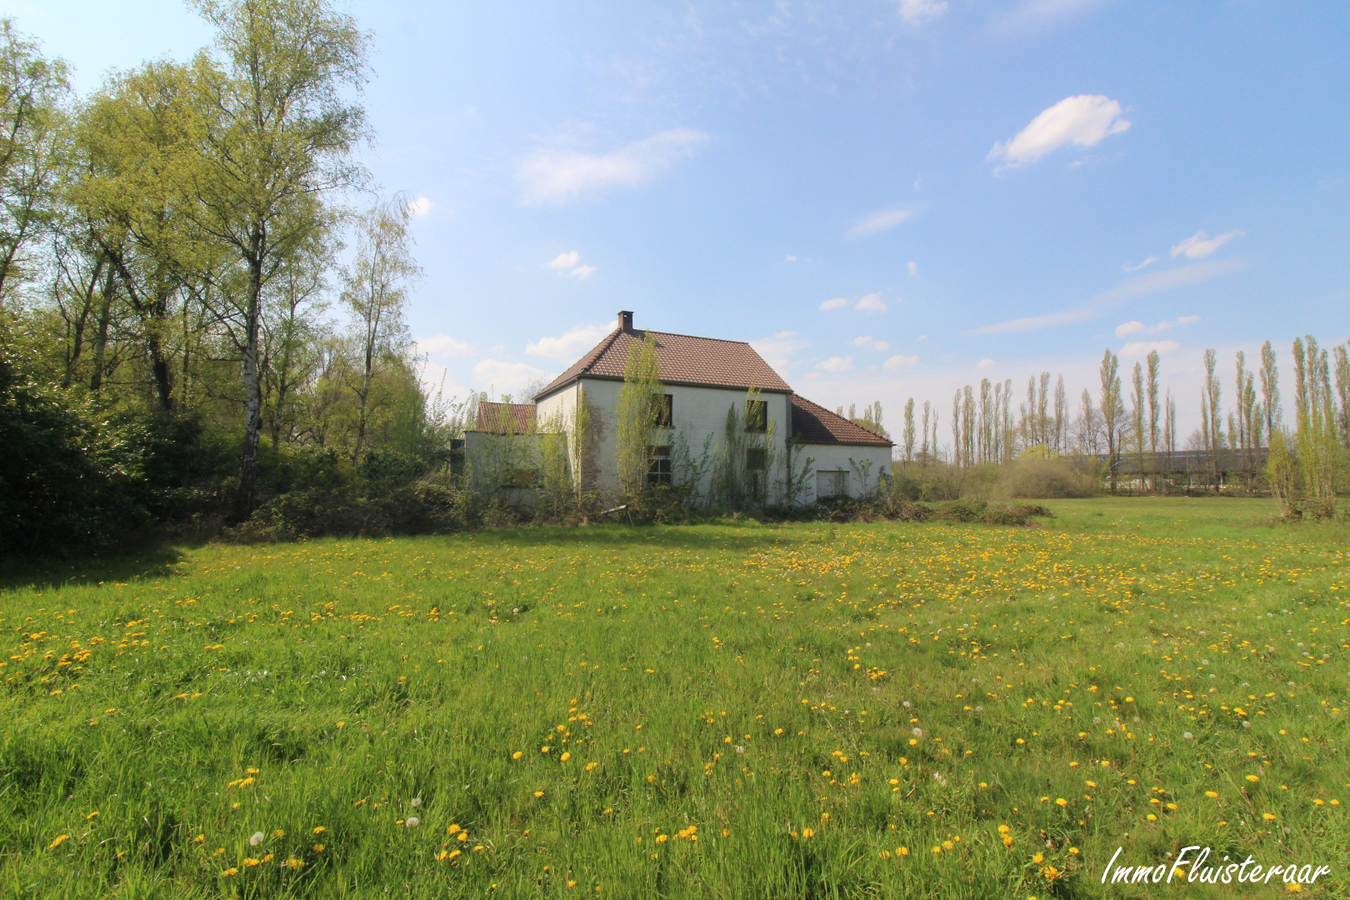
(913, 269)
(1083, 120)
(869, 341)
(1098, 305)
(871, 303)
(880, 221)
(569, 347)
(506, 378)
(557, 176)
(581, 272)
(1200, 244)
(919, 11)
(984, 364)
(779, 349)
(897, 362)
(921, 338)
(1144, 348)
(1034, 15)
(564, 261)
(1165, 325)
(836, 364)
(790, 258)
(420, 207)
(1126, 267)
(834, 303)
(442, 345)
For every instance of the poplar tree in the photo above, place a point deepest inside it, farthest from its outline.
(1112, 410)
(1154, 364)
(909, 430)
(641, 398)
(1137, 401)
(1270, 390)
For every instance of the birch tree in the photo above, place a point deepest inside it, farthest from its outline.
(275, 147)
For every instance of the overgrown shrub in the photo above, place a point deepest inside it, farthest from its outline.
(1041, 478)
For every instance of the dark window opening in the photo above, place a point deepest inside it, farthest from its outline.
(658, 469)
(665, 412)
(755, 459)
(757, 416)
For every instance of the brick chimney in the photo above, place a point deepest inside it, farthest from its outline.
(626, 321)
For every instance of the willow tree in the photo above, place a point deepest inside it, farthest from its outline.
(276, 138)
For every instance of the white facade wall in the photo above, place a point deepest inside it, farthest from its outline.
(862, 466)
(700, 414)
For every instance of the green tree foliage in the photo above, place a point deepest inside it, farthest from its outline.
(32, 91)
(276, 135)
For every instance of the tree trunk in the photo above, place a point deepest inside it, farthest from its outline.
(101, 336)
(248, 464)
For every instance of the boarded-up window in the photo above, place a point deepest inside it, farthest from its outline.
(665, 411)
(831, 484)
(520, 478)
(757, 416)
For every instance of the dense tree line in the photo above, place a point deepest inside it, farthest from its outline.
(172, 284)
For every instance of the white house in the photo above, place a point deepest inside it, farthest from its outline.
(795, 445)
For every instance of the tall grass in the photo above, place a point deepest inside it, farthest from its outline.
(733, 710)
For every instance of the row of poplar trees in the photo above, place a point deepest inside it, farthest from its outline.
(989, 424)
(170, 243)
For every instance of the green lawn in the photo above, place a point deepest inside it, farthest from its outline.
(735, 710)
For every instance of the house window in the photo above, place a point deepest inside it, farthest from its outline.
(831, 484)
(757, 416)
(520, 478)
(665, 412)
(658, 469)
(755, 459)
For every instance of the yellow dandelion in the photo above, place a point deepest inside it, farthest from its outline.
(60, 839)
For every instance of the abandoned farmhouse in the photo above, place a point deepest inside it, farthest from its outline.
(728, 422)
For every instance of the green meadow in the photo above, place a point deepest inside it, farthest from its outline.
(727, 710)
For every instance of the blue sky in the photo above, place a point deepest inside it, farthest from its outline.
(890, 198)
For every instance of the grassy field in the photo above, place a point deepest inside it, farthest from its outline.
(736, 710)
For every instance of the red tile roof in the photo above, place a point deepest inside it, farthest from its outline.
(814, 424)
(681, 359)
(504, 418)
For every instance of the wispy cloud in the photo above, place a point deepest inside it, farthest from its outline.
(1083, 120)
(506, 378)
(834, 303)
(564, 261)
(1034, 15)
(779, 349)
(984, 364)
(919, 11)
(420, 207)
(899, 362)
(913, 269)
(1200, 244)
(1165, 325)
(836, 364)
(566, 266)
(871, 342)
(568, 347)
(880, 221)
(443, 345)
(1126, 267)
(557, 176)
(1144, 348)
(1099, 305)
(871, 303)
